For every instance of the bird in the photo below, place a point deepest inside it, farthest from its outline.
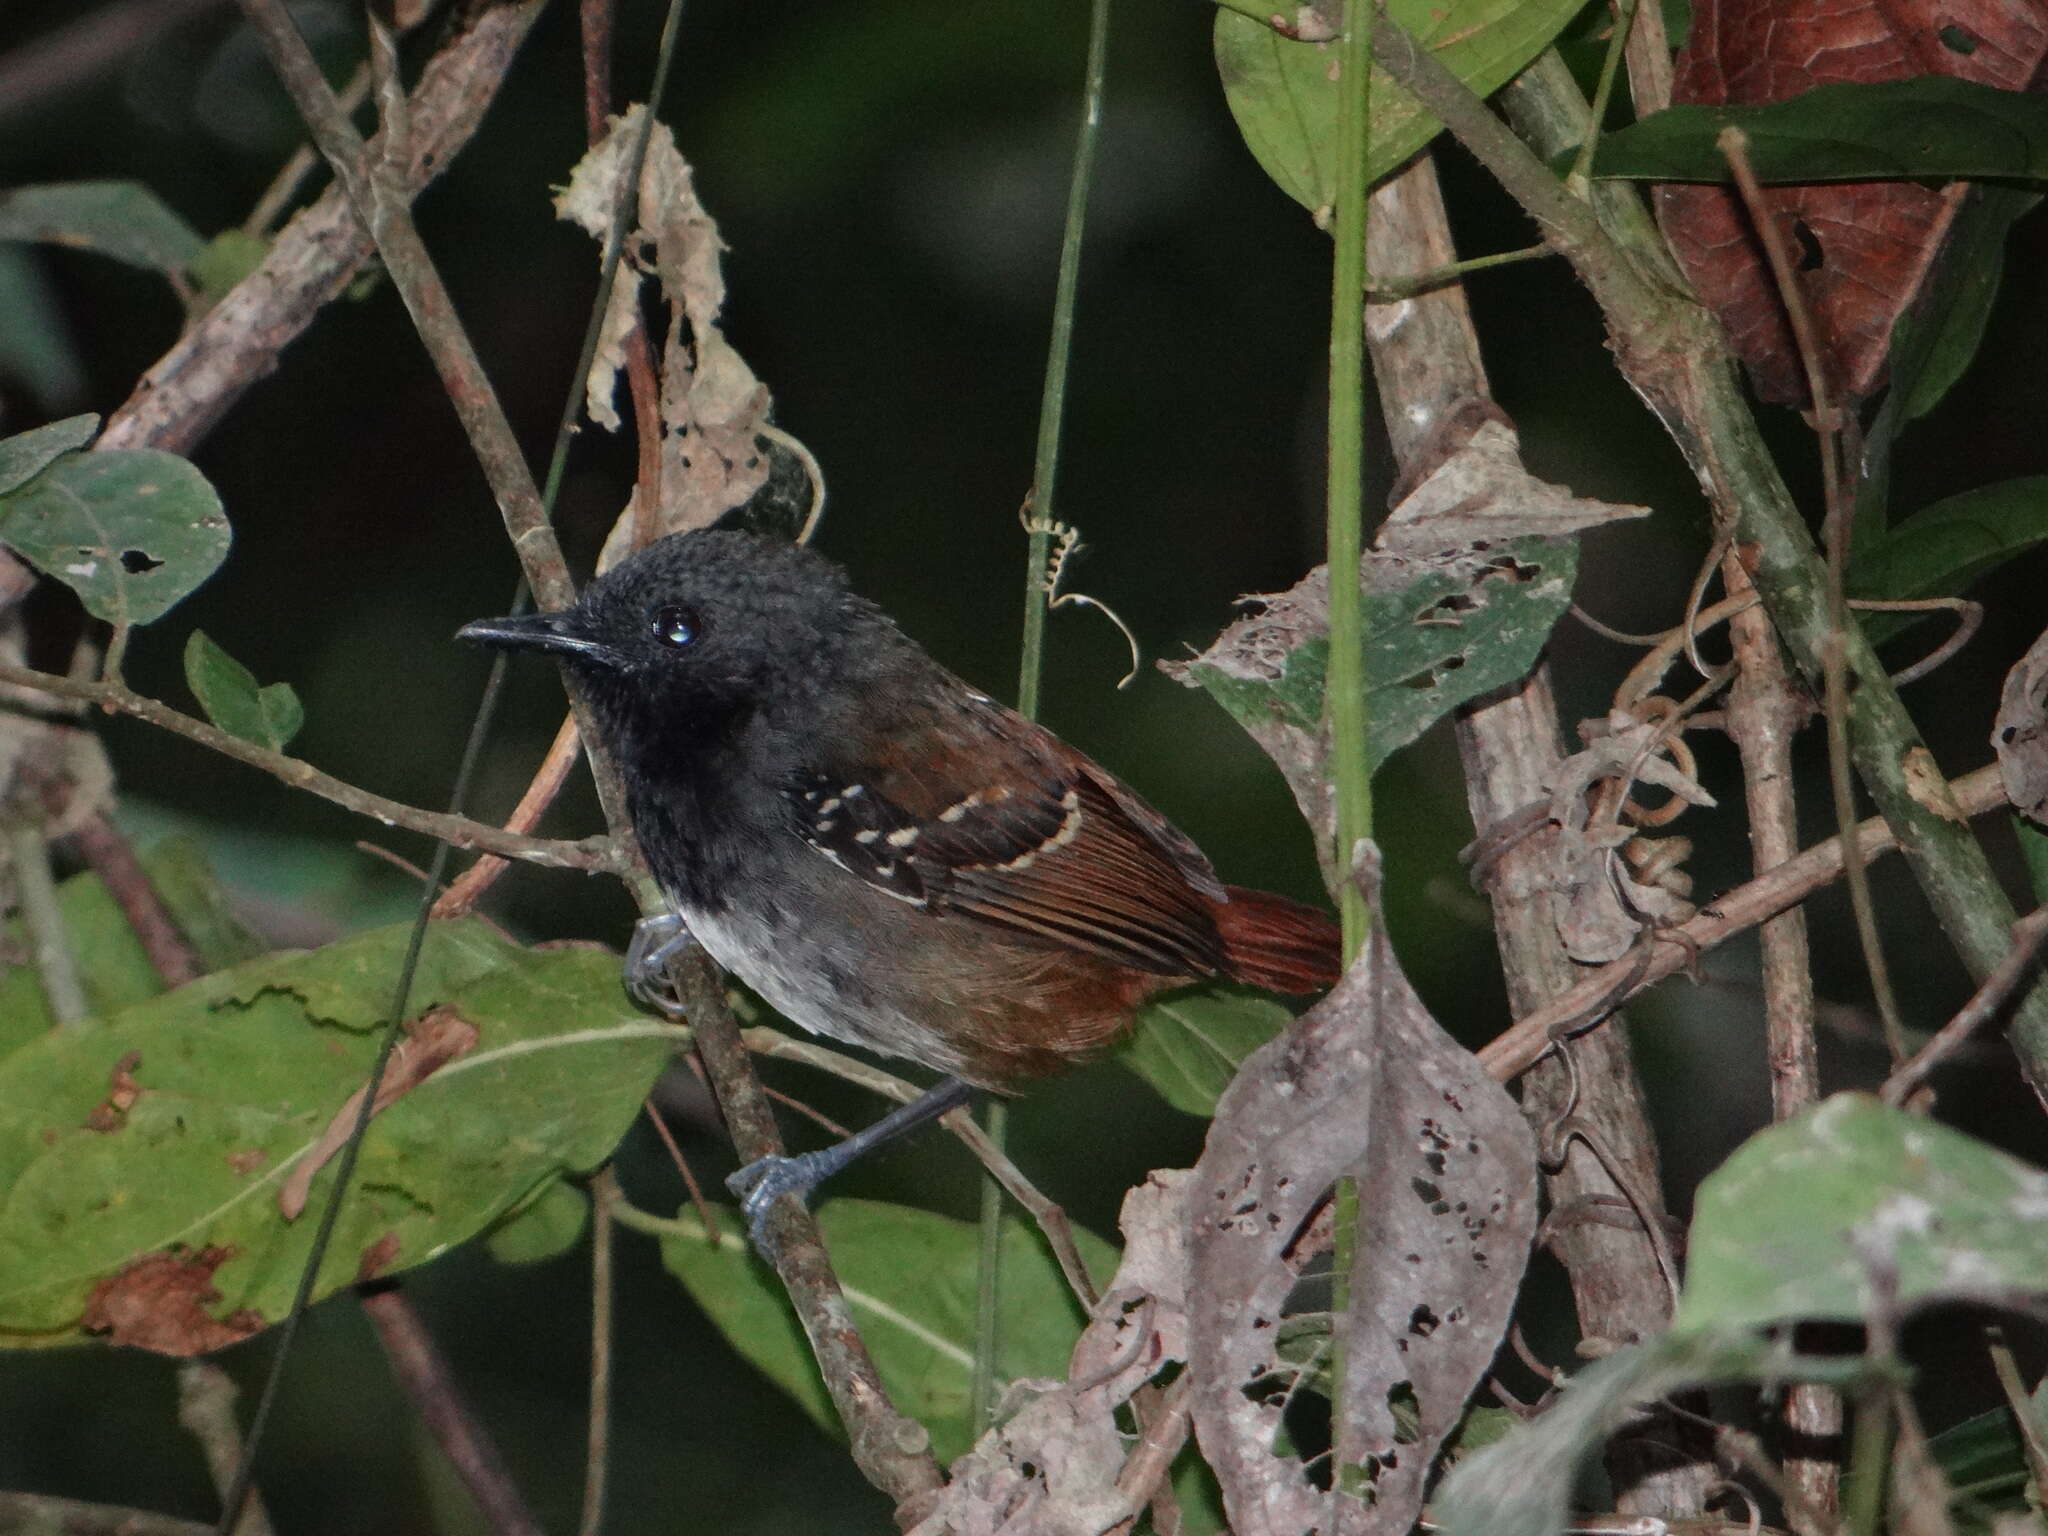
(884, 853)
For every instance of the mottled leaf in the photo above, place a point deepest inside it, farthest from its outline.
(269, 716)
(1852, 1205)
(27, 454)
(910, 1277)
(1440, 630)
(141, 1155)
(1522, 1485)
(1283, 92)
(121, 219)
(132, 531)
(1189, 1044)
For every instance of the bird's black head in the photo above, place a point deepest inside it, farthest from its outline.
(701, 630)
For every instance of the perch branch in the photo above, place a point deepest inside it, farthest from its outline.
(590, 853)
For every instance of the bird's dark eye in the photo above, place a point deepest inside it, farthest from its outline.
(676, 625)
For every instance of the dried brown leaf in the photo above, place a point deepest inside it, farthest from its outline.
(1365, 1085)
(2020, 735)
(159, 1303)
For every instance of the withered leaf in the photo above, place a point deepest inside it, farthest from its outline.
(159, 1303)
(1366, 1085)
(2020, 736)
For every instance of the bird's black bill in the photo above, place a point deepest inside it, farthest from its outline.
(533, 632)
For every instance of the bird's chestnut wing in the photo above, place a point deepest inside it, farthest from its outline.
(967, 808)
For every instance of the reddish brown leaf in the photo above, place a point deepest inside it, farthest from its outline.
(159, 1302)
(1863, 248)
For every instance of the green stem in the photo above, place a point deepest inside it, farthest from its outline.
(1344, 693)
(1037, 597)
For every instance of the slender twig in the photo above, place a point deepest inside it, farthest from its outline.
(1765, 710)
(468, 888)
(1051, 1218)
(1039, 578)
(2026, 1418)
(1734, 145)
(56, 967)
(1523, 1043)
(1386, 290)
(590, 853)
(38, 1512)
(705, 1209)
(206, 1411)
(1603, 92)
(284, 186)
(1984, 1004)
(418, 1367)
(171, 954)
(604, 1197)
(67, 57)
(190, 388)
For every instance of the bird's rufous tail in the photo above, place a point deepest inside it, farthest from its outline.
(1281, 945)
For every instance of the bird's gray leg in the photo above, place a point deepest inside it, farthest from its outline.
(657, 943)
(762, 1182)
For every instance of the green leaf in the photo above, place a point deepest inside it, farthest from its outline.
(2034, 853)
(1188, 1044)
(121, 219)
(132, 530)
(909, 1277)
(27, 454)
(226, 690)
(1439, 632)
(1284, 96)
(112, 964)
(1934, 127)
(38, 353)
(545, 1227)
(1941, 549)
(239, 1073)
(1935, 340)
(225, 260)
(1793, 1224)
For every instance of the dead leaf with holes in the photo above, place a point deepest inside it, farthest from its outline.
(1053, 1464)
(1864, 249)
(1365, 1085)
(1602, 908)
(1480, 491)
(2020, 735)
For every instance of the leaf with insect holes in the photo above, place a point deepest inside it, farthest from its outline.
(141, 1154)
(1440, 630)
(121, 219)
(910, 1279)
(269, 716)
(133, 531)
(27, 454)
(1283, 92)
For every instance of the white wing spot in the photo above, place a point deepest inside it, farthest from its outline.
(903, 837)
(866, 835)
(829, 806)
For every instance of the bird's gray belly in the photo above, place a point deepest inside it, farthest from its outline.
(815, 983)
